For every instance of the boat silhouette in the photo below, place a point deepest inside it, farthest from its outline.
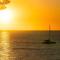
(48, 41)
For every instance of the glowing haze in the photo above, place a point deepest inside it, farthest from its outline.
(33, 15)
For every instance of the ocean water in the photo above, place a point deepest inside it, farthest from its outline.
(27, 45)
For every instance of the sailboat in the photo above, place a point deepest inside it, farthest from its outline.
(48, 41)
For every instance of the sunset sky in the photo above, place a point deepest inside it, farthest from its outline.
(34, 14)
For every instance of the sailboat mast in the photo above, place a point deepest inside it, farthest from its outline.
(49, 31)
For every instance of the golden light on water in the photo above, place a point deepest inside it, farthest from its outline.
(5, 46)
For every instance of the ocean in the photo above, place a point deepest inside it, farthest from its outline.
(27, 45)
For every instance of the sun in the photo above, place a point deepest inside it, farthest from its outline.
(5, 17)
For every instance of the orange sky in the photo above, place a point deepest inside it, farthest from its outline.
(36, 14)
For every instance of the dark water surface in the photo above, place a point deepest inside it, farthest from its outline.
(27, 45)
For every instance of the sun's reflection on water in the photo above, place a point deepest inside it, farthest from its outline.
(5, 46)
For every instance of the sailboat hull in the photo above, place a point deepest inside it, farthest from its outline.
(48, 42)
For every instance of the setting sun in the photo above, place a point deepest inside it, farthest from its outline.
(5, 16)
(6, 19)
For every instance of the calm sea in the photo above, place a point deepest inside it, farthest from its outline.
(27, 45)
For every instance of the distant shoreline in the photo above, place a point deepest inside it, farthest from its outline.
(26, 30)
